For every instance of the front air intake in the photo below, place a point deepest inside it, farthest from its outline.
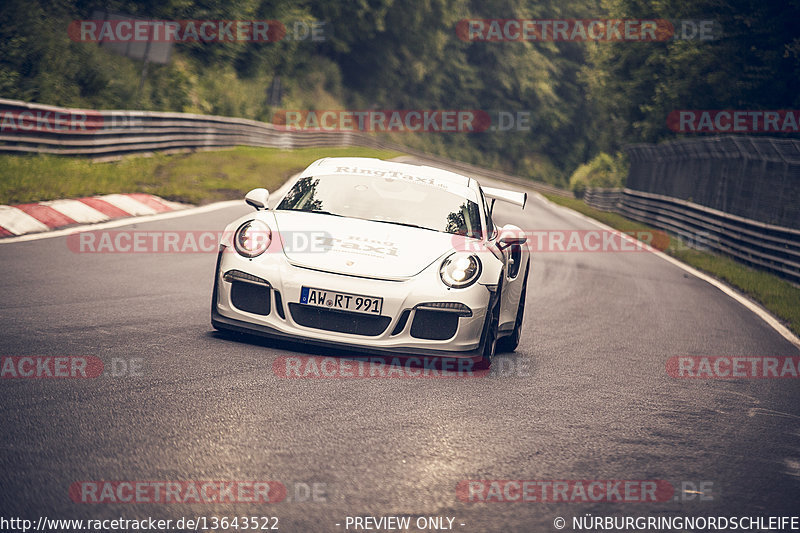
(434, 325)
(339, 321)
(250, 298)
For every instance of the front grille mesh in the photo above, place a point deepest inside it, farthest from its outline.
(339, 321)
(434, 325)
(250, 298)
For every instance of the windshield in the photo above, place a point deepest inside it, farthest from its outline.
(389, 200)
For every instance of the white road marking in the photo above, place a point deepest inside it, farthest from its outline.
(759, 311)
(18, 222)
(123, 222)
(77, 211)
(128, 204)
(274, 197)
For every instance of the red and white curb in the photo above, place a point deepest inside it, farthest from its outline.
(46, 216)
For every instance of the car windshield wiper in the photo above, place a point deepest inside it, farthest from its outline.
(401, 224)
(317, 211)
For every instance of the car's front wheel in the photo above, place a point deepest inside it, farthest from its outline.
(509, 343)
(214, 293)
(489, 335)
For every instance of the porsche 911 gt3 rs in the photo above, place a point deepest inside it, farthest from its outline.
(376, 256)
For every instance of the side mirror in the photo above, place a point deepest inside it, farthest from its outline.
(510, 235)
(257, 198)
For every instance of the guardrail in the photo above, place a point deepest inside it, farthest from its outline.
(36, 128)
(754, 177)
(603, 199)
(101, 135)
(764, 246)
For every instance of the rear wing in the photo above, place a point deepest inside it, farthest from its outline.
(513, 197)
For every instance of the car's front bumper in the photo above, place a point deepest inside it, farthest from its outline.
(286, 280)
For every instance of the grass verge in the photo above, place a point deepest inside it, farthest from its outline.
(196, 178)
(778, 296)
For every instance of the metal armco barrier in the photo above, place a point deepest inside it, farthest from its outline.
(764, 246)
(111, 134)
(603, 199)
(752, 177)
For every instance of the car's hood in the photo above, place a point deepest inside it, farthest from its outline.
(358, 247)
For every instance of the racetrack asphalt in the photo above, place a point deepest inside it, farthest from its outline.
(586, 396)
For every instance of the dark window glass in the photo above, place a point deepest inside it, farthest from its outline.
(383, 199)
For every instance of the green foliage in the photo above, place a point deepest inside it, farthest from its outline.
(39, 62)
(584, 98)
(603, 171)
(199, 177)
(634, 86)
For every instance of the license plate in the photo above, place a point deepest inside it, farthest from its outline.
(343, 301)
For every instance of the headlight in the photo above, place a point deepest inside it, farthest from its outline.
(460, 270)
(252, 238)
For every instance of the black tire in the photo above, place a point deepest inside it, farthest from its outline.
(214, 323)
(509, 343)
(489, 335)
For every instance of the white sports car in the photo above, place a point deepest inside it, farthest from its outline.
(376, 256)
